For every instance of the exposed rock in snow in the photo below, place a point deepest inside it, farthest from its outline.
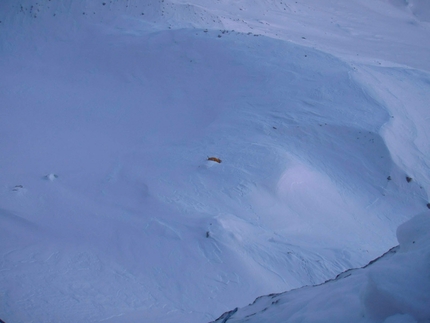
(392, 288)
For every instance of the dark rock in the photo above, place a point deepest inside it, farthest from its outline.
(224, 318)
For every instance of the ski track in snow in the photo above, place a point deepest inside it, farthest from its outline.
(109, 208)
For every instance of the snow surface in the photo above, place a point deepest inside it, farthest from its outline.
(109, 208)
(393, 288)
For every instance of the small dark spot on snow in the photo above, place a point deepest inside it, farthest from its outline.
(274, 128)
(306, 55)
(408, 179)
(413, 241)
(303, 37)
(428, 205)
(104, 3)
(215, 159)
(389, 178)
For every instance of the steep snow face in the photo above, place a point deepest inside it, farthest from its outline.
(109, 207)
(394, 288)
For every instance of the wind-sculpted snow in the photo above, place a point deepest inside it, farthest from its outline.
(113, 115)
(420, 8)
(392, 288)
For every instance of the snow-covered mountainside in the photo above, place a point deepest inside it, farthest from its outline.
(393, 288)
(110, 210)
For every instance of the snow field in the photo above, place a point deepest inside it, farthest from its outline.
(125, 108)
(394, 288)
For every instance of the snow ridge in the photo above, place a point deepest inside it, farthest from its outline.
(391, 288)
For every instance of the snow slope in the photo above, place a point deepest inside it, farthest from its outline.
(393, 288)
(109, 208)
